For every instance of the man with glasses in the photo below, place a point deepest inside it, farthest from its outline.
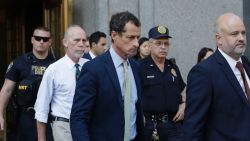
(163, 90)
(26, 72)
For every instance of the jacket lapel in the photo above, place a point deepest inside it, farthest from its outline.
(136, 76)
(230, 75)
(111, 71)
(247, 68)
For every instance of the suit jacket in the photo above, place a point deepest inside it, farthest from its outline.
(87, 56)
(217, 108)
(97, 112)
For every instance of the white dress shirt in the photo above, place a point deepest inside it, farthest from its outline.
(92, 55)
(57, 88)
(118, 62)
(232, 63)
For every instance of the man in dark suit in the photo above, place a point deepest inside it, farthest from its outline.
(98, 108)
(98, 43)
(217, 100)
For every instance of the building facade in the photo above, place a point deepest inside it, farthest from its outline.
(190, 23)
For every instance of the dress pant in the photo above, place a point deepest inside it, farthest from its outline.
(61, 131)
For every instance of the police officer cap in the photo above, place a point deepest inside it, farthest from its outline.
(158, 32)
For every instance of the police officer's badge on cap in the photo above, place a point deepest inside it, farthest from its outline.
(159, 32)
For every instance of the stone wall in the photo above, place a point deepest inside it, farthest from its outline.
(190, 22)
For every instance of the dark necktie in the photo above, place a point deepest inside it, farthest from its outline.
(247, 90)
(77, 70)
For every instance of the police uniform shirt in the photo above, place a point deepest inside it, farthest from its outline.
(27, 71)
(57, 89)
(27, 65)
(160, 90)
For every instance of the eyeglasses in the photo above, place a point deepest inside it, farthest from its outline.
(39, 38)
(160, 43)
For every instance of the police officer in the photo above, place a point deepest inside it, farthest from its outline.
(26, 72)
(163, 90)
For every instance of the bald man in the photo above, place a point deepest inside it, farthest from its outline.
(217, 107)
(57, 88)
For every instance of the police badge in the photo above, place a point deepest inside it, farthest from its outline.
(162, 29)
(173, 72)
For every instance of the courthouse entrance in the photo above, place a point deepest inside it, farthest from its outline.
(18, 19)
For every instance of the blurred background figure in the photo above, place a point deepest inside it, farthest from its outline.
(98, 45)
(204, 53)
(87, 47)
(143, 50)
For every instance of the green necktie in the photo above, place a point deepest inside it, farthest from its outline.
(126, 102)
(77, 70)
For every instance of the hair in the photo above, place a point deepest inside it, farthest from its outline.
(224, 18)
(42, 28)
(68, 32)
(202, 53)
(141, 41)
(95, 37)
(119, 20)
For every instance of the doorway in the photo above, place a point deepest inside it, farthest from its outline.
(18, 19)
(16, 26)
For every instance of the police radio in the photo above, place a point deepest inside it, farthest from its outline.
(27, 90)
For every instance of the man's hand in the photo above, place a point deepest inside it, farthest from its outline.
(180, 113)
(1, 123)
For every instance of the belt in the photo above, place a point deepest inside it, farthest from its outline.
(60, 119)
(161, 117)
(28, 109)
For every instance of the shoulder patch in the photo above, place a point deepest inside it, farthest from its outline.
(9, 67)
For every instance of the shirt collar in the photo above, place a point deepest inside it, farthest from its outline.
(92, 55)
(71, 64)
(116, 58)
(230, 60)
